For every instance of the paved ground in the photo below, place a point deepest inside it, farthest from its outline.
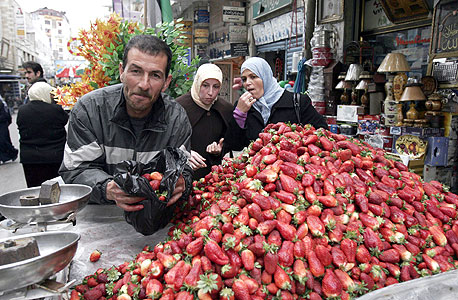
(11, 173)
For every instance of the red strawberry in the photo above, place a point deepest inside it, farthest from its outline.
(331, 285)
(95, 256)
(240, 290)
(281, 279)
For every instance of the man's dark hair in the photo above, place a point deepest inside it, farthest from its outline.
(34, 66)
(149, 44)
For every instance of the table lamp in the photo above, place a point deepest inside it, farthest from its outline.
(343, 85)
(412, 93)
(353, 76)
(394, 63)
(365, 78)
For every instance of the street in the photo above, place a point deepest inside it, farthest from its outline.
(11, 173)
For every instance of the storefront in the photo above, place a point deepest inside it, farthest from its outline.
(422, 129)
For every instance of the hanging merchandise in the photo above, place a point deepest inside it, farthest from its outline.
(300, 84)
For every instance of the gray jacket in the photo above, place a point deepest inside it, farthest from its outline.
(100, 136)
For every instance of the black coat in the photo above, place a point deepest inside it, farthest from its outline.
(207, 127)
(282, 111)
(42, 132)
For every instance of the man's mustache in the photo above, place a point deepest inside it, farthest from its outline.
(143, 94)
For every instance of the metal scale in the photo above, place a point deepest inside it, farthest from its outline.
(41, 276)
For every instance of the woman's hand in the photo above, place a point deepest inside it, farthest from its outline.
(215, 148)
(245, 102)
(197, 161)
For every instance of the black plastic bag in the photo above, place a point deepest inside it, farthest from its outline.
(172, 163)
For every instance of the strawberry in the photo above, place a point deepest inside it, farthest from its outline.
(156, 176)
(281, 279)
(154, 289)
(95, 256)
(315, 226)
(226, 294)
(214, 252)
(315, 265)
(331, 285)
(240, 290)
(248, 259)
(324, 255)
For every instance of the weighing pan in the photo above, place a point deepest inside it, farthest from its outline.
(56, 252)
(73, 198)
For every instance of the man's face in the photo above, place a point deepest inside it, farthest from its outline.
(31, 75)
(144, 79)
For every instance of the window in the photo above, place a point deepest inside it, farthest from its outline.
(47, 22)
(60, 41)
(60, 49)
(60, 31)
(59, 24)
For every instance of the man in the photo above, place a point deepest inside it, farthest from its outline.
(33, 72)
(128, 121)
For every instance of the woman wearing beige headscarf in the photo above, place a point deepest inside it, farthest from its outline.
(209, 116)
(41, 125)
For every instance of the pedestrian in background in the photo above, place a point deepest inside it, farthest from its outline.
(209, 116)
(33, 73)
(7, 150)
(41, 125)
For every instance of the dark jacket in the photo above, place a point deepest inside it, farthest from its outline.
(282, 111)
(207, 127)
(42, 132)
(100, 136)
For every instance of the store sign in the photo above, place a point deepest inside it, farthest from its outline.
(233, 14)
(239, 49)
(20, 23)
(202, 16)
(264, 7)
(201, 32)
(237, 34)
(416, 40)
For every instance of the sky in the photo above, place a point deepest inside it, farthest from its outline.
(80, 13)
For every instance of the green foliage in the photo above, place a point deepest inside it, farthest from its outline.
(182, 74)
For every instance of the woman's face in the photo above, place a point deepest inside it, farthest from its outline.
(209, 89)
(253, 84)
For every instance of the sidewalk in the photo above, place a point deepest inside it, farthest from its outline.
(11, 173)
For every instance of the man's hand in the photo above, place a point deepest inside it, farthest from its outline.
(178, 191)
(123, 200)
(238, 83)
(197, 161)
(215, 148)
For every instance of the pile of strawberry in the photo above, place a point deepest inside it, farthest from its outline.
(301, 214)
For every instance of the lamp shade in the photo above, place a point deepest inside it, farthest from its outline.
(343, 85)
(394, 62)
(363, 84)
(413, 92)
(353, 72)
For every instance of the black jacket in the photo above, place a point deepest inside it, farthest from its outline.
(100, 136)
(207, 127)
(283, 111)
(42, 132)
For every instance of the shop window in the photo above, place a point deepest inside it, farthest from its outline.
(413, 43)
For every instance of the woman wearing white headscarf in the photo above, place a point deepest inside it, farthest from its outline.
(265, 102)
(41, 125)
(209, 117)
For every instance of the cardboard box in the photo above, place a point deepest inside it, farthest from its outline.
(417, 165)
(441, 174)
(437, 151)
(423, 132)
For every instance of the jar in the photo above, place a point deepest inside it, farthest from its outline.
(434, 102)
